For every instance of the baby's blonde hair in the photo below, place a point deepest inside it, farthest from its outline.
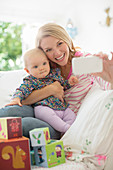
(52, 29)
(30, 53)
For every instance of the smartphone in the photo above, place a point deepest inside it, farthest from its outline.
(88, 64)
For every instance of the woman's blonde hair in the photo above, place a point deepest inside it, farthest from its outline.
(52, 29)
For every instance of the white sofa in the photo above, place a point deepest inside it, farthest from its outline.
(9, 80)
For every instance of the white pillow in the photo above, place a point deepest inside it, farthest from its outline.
(9, 81)
(90, 138)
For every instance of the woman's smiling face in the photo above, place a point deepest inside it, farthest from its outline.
(55, 49)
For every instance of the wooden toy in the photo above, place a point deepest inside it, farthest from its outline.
(50, 155)
(15, 154)
(32, 157)
(10, 127)
(39, 136)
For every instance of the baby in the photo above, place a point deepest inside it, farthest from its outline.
(51, 109)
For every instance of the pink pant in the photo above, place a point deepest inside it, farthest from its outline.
(59, 120)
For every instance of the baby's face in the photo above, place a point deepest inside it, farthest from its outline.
(38, 65)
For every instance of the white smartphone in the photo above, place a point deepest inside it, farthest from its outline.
(88, 64)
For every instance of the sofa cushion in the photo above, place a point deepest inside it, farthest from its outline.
(9, 81)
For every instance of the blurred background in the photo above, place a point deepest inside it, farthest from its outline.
(88, 22)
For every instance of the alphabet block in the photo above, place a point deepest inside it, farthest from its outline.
(10, 127)
(15, 154)
(32, 156)
(50, 155)
(39, 136)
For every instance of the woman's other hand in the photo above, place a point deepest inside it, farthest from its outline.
(15, 101)
(57, 90)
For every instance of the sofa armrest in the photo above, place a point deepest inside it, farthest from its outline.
(9, 81)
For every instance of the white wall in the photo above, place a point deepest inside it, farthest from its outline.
(87, 15)
(93, 34)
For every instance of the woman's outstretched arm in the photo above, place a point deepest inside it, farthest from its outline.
(55, 89)
(107, 73)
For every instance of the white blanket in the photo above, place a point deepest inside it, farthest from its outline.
(90, 139)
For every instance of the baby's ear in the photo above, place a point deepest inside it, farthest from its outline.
(26, 70)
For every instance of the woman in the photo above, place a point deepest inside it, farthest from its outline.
(59, 48)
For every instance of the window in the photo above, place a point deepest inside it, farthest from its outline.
(15, 39)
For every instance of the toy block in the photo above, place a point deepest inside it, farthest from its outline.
(15, 154)
(32, 156)
(50, 155)
(39, 136)
(10, 127)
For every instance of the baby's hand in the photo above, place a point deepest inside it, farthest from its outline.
(73, 80)
(15, 101)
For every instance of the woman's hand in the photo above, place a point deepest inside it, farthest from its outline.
(15, 101)
(107, 73)
(57, 90)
